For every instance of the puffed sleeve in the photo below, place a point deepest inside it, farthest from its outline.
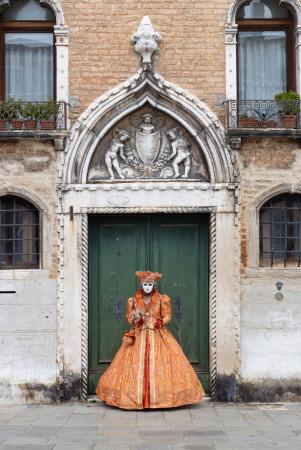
(165, 309)
(129, 309)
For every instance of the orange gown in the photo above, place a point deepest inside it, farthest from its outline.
(151, 371)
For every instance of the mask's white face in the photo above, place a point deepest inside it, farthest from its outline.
(147, 287)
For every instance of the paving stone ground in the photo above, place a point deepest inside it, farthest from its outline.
(95, 426)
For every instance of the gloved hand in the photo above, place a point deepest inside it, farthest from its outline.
(159, 323)
(140, 322)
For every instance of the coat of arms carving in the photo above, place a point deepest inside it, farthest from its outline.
(147, 146)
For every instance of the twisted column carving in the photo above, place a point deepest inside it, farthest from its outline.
(84, 321)
(212, 305)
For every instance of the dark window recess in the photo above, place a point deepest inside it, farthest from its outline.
(265, 51)
(280, 231)
(19, 234)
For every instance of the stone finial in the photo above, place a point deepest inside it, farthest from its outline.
(146, 40)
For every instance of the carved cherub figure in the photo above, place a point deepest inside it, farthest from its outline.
(180, 151)
(146, 126)
(116, 147)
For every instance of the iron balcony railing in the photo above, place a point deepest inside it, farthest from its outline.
(30, 116)
(263, 114)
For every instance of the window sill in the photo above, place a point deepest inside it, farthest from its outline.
(41, 134)
(268, 272)
(264, 132)
(23, 274)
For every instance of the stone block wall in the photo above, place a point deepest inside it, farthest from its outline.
(28, 316)
(270, 329)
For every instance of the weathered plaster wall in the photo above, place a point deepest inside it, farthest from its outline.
(28, 317)
(270, 329)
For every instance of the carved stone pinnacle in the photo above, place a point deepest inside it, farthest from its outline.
(146, 40)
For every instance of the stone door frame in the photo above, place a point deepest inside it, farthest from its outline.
(212, 282)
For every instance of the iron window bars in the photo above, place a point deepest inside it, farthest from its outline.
(280, 231)
(263, 114)
(19, 234)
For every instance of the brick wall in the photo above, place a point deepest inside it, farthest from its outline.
(192, 52)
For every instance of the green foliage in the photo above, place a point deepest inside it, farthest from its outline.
(288, 103)
(31, 111)
(48, 110)
(10, 109)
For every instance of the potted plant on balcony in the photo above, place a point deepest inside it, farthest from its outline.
(289, 104)
(10, 111)
(48, 113)
(31, 114)
(246, 120)
(13, 108)
(2, 116)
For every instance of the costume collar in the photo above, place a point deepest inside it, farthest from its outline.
(139, 298)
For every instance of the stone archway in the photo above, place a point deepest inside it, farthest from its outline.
(147, 88)
(80, 196)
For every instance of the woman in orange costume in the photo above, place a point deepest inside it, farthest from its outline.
(150, 369)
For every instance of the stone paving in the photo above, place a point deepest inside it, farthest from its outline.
(207, 426)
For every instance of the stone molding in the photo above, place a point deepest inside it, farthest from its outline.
(53, 4)
(26, 195)
(231, 44)
(253, 220)
(212, 284)
(147, 86)
(284, 188)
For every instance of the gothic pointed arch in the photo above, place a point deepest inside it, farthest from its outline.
(147, 89)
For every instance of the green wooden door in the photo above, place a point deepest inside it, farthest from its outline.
(177, 246)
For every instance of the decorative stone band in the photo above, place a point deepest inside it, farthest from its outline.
(168, 210)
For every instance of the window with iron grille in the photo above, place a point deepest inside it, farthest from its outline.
(19, 234)
(280, 231)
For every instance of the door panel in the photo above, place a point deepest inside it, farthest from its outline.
(177, 246)
(117, 246)
(180, 251)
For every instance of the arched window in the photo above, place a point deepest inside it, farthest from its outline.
(27, 51)
(280, 231)
(19, 234)
(266, 63)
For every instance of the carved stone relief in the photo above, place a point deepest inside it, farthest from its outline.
(147, 144)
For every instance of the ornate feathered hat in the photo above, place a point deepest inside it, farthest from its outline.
(148, 276)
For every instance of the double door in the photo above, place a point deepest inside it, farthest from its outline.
(176, 246)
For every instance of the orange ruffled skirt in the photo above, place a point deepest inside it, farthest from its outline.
(153, 372)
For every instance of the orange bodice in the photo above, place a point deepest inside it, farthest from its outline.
(158, 308)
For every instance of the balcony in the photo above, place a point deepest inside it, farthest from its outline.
(32, 119)
(263, 118)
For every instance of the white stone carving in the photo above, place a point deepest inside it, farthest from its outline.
(146, 40)
(180, 152)
(148, 87)
(116, 148)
